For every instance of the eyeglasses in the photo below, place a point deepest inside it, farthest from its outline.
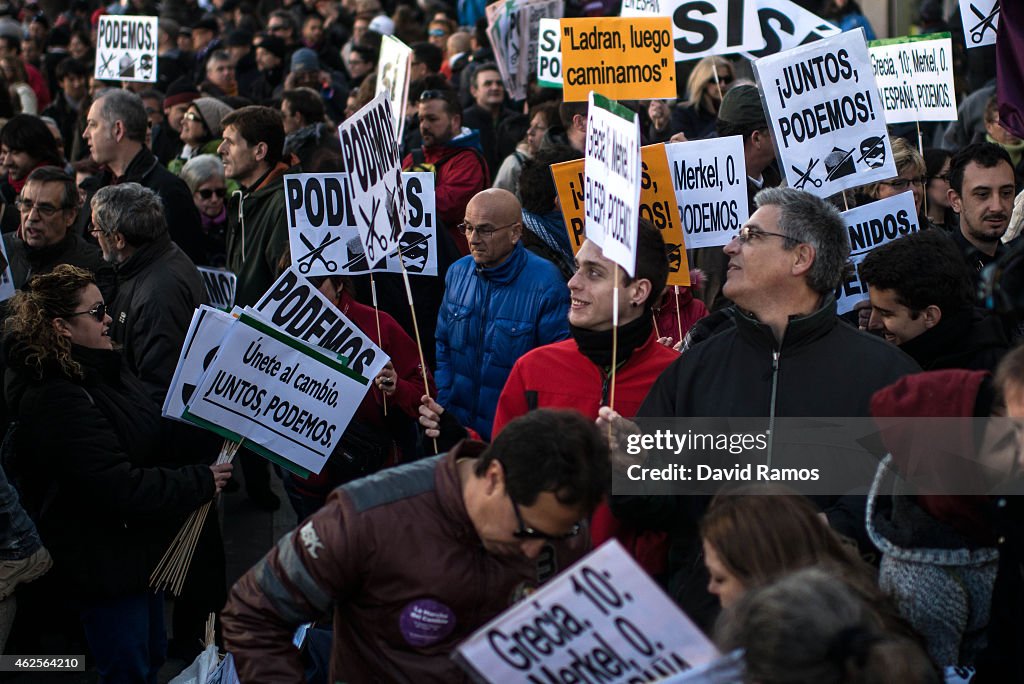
(724, 79)
(746, 234)
(432, 95)
(47, 211)
(901, 184)
(194, 116)
(485, 233)
(437, 32)
(524, 532)
(99, 312)
(207, 193)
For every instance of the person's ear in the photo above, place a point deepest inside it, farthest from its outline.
(119, 242)
(61, 327)
(803, 258)
(955, 202)
(494, 477)
(260, 151)
(641, 292)
(118, 130)
(931, 315)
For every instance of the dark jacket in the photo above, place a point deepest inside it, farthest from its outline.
(73, 249)
(479, 119)
(158, 288)
(67, 119)
(257, 235)
(87, 452)
(823, 367)
(970, 339)
(488, 319)
(183, 223)
(381, 550)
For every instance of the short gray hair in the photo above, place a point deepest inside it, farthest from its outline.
(130, 209)
(812, 220)
(127, 107)
(198, 170)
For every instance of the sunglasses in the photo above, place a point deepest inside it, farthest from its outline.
(99, 312)
(524, 532)
(207, 193)
(193, 116)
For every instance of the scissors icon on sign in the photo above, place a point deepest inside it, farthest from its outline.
(979, 30)
(805, 176)
(317, 253)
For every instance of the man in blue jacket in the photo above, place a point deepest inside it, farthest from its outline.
(500, 302)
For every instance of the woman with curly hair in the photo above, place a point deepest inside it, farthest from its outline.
(88, 452)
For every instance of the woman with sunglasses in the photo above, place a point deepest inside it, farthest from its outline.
(696, 116)
(88, 449)
(204, 176)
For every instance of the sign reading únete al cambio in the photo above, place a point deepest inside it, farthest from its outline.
(702, 28)
(915, 78)
(872, 226)
(624, 59)
(126, 48)
(287, 399)
(827, 121)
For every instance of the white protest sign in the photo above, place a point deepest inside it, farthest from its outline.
(603, 619)
(297, 308)
(549, 54)
(221, 285)
(393, 77)
(704, 27)
(289, 399)
(6, 275)
(710, 181)
(369, 153)
(981, 21)
(827, 122)
(325, 241)
(126, 48)
(785, 25)
(915, 78)
(871, 226)
(535, 12)
(505, 26)
(205, 332)
(611, 186)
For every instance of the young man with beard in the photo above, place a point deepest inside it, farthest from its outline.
(981, 191)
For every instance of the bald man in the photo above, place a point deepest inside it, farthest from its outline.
(500, 302)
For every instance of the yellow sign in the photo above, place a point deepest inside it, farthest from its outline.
(622, 59)
(657, 205)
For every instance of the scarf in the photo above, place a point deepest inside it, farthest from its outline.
(596, 345)
(1015, 150)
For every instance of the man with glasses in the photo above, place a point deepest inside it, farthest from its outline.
(48, 207)
(454, 155)
(500, 302)
(787, 355)
(417, 558)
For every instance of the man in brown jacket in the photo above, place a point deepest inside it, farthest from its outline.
(413, 560)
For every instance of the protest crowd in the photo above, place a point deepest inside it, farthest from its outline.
(433, 269)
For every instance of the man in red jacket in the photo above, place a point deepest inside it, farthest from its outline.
(454, 155)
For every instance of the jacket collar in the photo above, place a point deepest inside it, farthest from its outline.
(449, 488)
(508, 270)
(144, 257)
(800, 330)
(140, 166)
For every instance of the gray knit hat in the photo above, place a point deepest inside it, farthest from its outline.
(212, 111)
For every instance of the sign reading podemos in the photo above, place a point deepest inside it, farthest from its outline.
(287, 398)
(126, 48)
(871, 226)
(603, 619)
(827, 121)
(710, 181)
(704, 27)
(628, 59)
(323, 236)
(915, 78)
(981, 21)
(369, 153)
(611, 189)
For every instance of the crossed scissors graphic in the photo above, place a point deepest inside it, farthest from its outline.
(985, 23)
(805, 176)
(317, 253)
(105, 67)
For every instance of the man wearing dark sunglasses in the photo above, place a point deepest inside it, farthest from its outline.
(419, 557)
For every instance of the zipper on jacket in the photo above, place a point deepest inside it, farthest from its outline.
(771, 406)
(241, 220)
